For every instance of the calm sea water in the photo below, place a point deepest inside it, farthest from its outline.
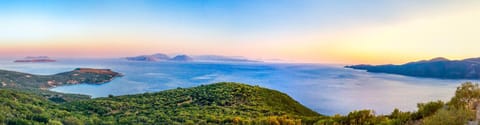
(327, 89)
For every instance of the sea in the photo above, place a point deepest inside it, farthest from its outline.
(328, 89)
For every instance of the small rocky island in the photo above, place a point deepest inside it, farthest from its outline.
(41, 83)
(35, 59)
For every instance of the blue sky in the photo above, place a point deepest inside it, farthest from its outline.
(287, 29)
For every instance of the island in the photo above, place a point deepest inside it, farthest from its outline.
(439, 67)
(182, 58)
(219, 58)
(160, 57)
(35, 59)
(150, 58)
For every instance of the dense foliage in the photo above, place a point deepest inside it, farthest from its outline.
(220, 103)
(216, 103)
(19, 108)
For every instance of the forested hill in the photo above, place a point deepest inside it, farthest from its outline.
(434, 68)
(218, 103)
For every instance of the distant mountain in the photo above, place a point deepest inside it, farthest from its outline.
(187, 58)
(182, 58)
(161, 57)
(435, 68)
(222, 58)
(153, 58)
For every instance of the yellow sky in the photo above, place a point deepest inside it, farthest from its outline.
(451, 34)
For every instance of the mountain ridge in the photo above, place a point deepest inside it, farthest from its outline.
(159, 57)
(434, 68)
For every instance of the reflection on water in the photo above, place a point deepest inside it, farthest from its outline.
(324, 88)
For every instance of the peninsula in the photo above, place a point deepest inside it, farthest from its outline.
(439, 67)
(39, 84)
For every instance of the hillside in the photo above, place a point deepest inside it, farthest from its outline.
(434, 68)
(21, 108)
(218, 103)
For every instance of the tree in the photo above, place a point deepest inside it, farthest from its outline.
(361, 117)
(427, 109)
(449, 117)
(466, 96)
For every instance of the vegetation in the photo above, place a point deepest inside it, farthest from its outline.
(217, 103)
(220, 103)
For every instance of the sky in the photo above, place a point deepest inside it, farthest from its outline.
(313, 31)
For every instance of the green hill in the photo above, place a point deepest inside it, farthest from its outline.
(219, 103)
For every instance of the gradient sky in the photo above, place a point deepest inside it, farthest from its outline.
(321, 31)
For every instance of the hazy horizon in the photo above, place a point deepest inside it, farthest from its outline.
(309, 31)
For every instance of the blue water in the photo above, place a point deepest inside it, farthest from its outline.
(327, 89)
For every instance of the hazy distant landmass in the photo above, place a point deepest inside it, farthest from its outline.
(223, 58)
(435, 68)
(186, 58)
(154, 57)
(182, 58)
(35, 59)
(160, 57)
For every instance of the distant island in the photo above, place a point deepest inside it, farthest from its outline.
(35, 59)
(218, 58)
(186, 58)
(160, 57)
(439, 67)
